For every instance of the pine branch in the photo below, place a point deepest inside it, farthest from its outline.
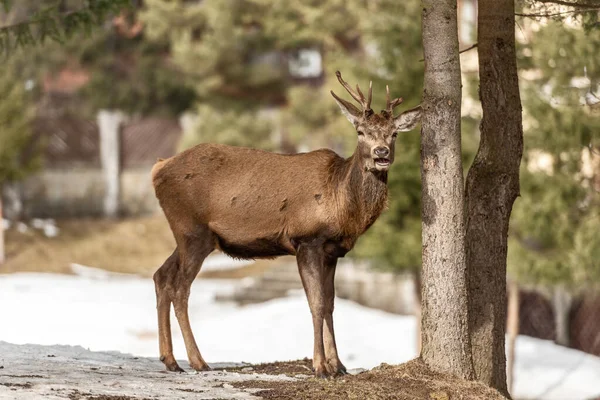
(543, 15)
(474, 46)
(50, 23)
(577, 4)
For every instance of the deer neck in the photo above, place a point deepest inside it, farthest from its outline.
(362, 193)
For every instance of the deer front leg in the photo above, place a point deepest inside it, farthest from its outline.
(311, 267)
(333, 364)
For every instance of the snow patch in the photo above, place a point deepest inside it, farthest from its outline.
(223, 262)
(62, 372)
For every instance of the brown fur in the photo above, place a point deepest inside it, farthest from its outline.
(255, 204)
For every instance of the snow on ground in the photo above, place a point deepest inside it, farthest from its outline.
(117, 312)
(72, 372)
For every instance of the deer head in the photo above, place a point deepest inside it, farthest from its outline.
(376, 132)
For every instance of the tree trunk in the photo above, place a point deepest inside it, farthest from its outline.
(2, 255)
(512, 328)
(445, 337)
(418, 312)
(562, 301)
(491, 189)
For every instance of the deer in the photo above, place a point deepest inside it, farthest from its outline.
(251, 204)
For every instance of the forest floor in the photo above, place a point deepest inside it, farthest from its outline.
(408, 381)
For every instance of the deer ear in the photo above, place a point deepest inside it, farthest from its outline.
(408, 119)
(348, 109)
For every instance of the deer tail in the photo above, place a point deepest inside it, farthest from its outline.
(160, 163)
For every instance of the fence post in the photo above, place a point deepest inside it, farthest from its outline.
(562, 302)
(109, 123)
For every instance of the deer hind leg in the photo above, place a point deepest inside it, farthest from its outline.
(163, 283)
(195, 249)
(333, 364)
(311, 267)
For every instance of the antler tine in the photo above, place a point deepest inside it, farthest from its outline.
(391, 104)
(347, 87)
(387, 98)
(356, 96)
(395, 103)
(362, 96)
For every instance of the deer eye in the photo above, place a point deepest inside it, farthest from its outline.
(394, 135)
(360, 133)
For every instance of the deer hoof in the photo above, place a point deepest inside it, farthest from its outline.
(321, 371)
(174, 367)
(336, 368)
(171, 364)
(201, 367)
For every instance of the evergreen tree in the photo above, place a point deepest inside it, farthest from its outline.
(394, 242)
(222, 52)
(37, 22)
(553, 244)
(561, 134)
(16, 114)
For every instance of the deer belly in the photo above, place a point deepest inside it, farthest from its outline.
(248, 242)
(257, 248)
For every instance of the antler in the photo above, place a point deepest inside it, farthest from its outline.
(391, 104)
(358, 95)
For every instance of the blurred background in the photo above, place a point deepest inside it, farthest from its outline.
(83, 121)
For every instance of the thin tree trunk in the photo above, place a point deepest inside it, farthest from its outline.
(445, 337)
(2, 254)
(512, 327)
(562, 301)
(491, 189)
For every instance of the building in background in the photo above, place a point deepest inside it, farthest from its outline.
(71, 182)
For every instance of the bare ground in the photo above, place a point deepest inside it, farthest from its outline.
(409, 381)
(67, 372)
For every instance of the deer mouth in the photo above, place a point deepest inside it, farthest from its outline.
(382, 163)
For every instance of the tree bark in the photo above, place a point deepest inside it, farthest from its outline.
(445, 337)
(512, 329)
(491, 189)
(418, 312)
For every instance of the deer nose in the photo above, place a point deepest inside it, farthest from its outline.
(381, 151)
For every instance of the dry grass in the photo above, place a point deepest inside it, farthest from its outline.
(410, 381)
(133, 246)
